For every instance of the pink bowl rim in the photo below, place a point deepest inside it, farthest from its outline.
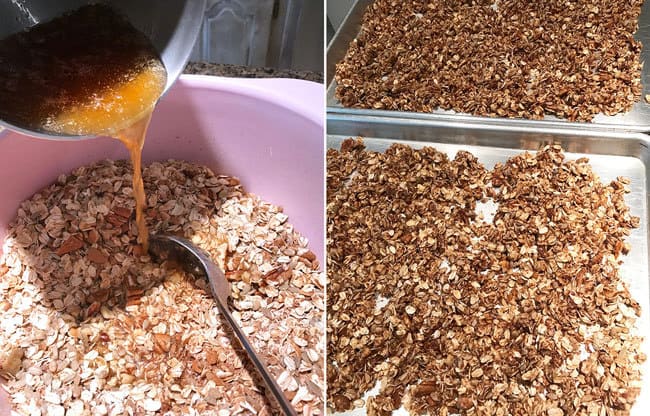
(270, 90)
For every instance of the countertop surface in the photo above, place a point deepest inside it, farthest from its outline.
(226, 70)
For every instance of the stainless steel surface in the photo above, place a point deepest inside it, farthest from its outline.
(337, 10)
(637, 120)
(195, 260)
(611, 154)
(172, 26)
(337, 48)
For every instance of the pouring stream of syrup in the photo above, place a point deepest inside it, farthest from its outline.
(87, 73)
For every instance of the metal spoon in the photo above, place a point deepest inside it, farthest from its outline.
(195, 260)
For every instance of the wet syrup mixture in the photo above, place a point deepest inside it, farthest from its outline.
(86, 73)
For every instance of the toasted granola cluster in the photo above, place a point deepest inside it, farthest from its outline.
(472, 291)
(498, 58)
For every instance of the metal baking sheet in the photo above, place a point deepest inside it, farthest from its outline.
(637, 120)
(611, 154)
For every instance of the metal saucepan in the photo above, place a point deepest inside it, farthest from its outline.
(171, 25)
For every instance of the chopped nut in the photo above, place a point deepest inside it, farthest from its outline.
(138, 250)
(123, 212)
(11, 361)
(96, 256)
(133, 292)
(93, 236)
(211, 357)
(93, 309)
(162, 342)
(69, 245)
(116, 220)
(465, 403)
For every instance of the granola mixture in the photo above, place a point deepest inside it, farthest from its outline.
(497, 58)
(91, 325)
(459, 312)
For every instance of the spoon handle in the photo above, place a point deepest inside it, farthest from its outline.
(196, 260)
(286, 406)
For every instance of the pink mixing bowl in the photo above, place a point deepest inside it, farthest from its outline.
(267, 132)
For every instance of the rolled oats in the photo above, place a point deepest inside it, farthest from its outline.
(101, 329)
(523, 315)
(497, 58)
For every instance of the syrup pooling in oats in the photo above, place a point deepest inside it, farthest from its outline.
(86, 73)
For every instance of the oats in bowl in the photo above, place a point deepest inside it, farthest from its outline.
(101, 329)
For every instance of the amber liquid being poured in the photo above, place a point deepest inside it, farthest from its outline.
(133, 138)
(87, 73)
